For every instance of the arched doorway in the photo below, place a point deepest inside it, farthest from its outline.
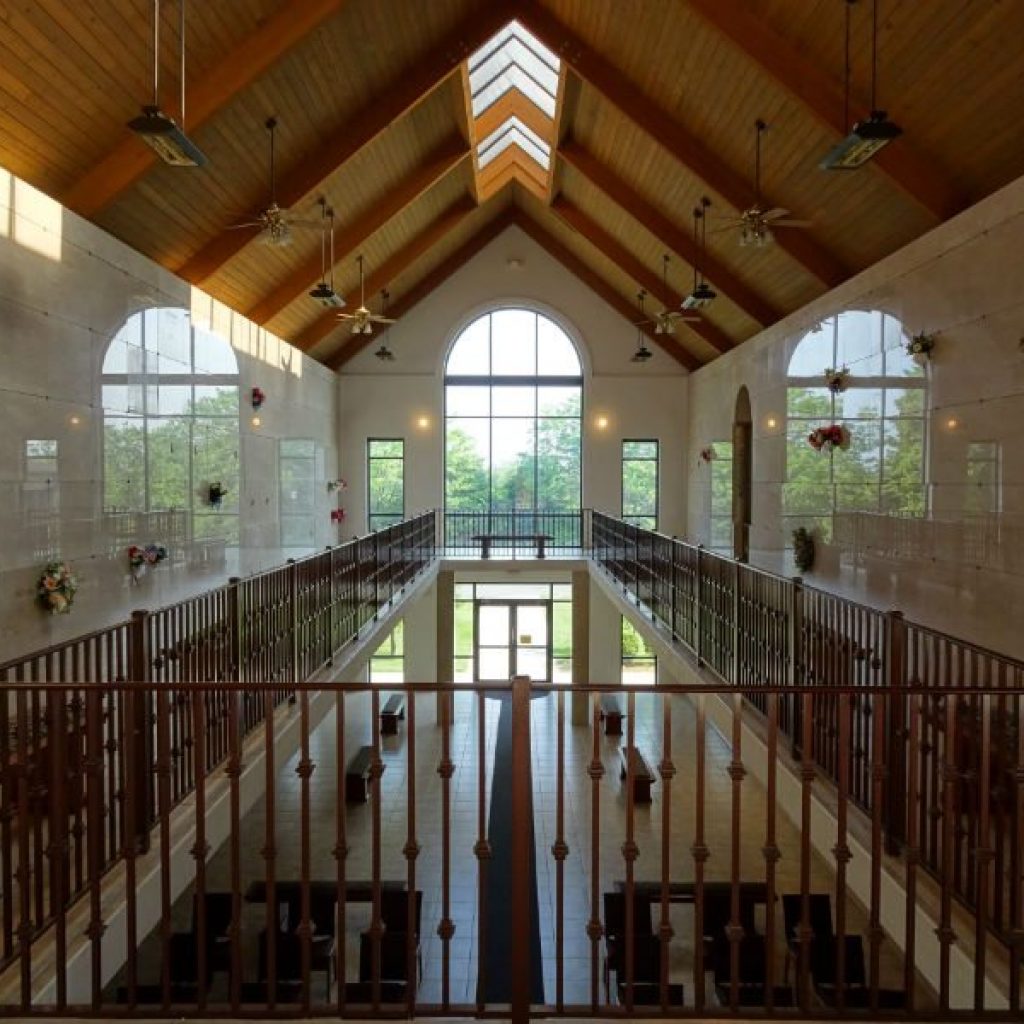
(742, 471)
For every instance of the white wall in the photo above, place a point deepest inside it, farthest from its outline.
(388, 399)
(66, 288)
(963, 281)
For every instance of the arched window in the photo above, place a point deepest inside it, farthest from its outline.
(170, 429)
(513, 401)
(882, 407)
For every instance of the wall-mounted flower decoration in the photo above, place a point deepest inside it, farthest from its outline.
(55, 588)
(829, 438)
(707, 454)
(336, 485)
(257, 397)
(803, 548)
(920, 347)
(835, 379)
(337, 515)
(215, 494)
(139, 558)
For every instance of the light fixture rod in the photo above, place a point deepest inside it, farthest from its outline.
(156, 53)
(271, 123)
(761, 127)
(874, 54)
(181, 32)
(330, 213)
(846, 69)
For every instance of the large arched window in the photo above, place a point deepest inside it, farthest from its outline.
(882, 406)
(170, 429)
(513, 402)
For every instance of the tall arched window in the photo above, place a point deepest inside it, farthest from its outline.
(882, 406)
(170, 428)
(513, 401)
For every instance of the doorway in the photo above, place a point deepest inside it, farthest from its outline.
(742, 471)
(513, 638)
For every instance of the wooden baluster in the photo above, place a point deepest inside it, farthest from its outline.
(983, 851)
(446, 927)
(269, 851)
(950, 778)
(842, 848)
(630, 851)
(376, 771)
(560, 850)
(94, 839)
(735, 931)
(911, 852)
(129, 833)
(700, 850)
(771, 848)
(411, 852)
(200, 848)
(58, 849)
(667, 771)
(341, 840)
(807, 776)
(594, 930)
(482, 850)
(522, 836)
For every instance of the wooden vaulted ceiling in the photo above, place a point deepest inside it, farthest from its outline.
(655, 108)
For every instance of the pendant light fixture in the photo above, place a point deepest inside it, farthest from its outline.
(866, 137)
(703, 294)
(324, 292)
(159, 130)
(384, 354)
(642, 353)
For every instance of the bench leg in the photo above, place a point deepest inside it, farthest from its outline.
(356, 789)
(641, 791)
(540, 547)
(388, 725)
(485, 547)
(612, 724)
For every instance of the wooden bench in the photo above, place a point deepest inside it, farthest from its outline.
(486, 539)
(611, 712)
(393, 710)
(643, 776)
(357, 776)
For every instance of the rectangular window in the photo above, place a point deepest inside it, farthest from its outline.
(721, 496)
(639, 662)
(640, 483)
(387, 664)
(385, 489)
(297, 475)
(983, 484)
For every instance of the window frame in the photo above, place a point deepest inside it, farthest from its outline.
(625, 659)
(370, 459)
(623, 460)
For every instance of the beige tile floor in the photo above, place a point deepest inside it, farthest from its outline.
(464, 792)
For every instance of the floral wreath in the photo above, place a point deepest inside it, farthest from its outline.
(835, 379)
(829, 438)
(708, 454)
(55, 588)
(920, 346)
(140, 557)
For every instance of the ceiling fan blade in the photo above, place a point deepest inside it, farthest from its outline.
(775, 214)
(792, 223)
(732, 225)
(382, 319)
(246, 224)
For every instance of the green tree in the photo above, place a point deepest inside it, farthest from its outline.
(465, 473)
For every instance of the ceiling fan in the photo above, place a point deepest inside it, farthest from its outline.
(664, 321)
(642, 353)
(324, 292)
(703, 294)
(275, 223)
(362, 319)
(384, 354)
(756, 223)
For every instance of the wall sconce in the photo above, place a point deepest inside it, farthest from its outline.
(952, 423)
(256, 421)
(601, 422)
(423, 422)
(75, 420)
(771, 423)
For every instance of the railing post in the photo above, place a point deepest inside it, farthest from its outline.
(141, 768)
(698, 641)
(521, 852)
(794, 632)
(332, 607)
(293, 603)
(735, 659)
(895, 731)
(235, 626)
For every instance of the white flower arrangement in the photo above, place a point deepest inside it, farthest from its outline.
(835, 379)
(920, 347)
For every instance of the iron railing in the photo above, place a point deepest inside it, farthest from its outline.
(711, 814)
(272, 628)
(515, 533)
(754, 628)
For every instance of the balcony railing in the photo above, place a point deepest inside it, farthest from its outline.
(272, 628)
(515, 533)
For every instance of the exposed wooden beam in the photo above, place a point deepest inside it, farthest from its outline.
(600, 287)
(383, 275)
(519, 170)
(679, 241)
(408, 90)
(646, 278)
(822, 95)
(529, 170)
(130, 159)
(429, 282)
(513, 104)
(350, 237)
(557, 129)
(687, 148)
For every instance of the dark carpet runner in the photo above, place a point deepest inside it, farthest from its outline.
(498, 949)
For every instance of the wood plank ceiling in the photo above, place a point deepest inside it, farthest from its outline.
(654, 108)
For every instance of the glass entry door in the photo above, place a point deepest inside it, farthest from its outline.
(513, 638)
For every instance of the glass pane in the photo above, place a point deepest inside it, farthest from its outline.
(639, 488)
(812, 403)
(124, 478)
(168, 400)
(463, 629)
(471, 354)
(513, 342)
(859, 343)
(532, 625)
(561, 623)
(904, 450)
(494, 625)
(467, 458)
(639, 672)
(494, 664)
(386, 486)
(167, 338)
(561, 591)
(559, 401)
(639, 449)
(468, 401)
(532, 662)
(861, 462)
(514, 401)
(558, 464)
(512, 465)
(463, 670)
(167, 460)
(380, 449)
(215, 458)
(213, 354)
(814, 352)
(859, 403)
(513, 591)
(562, 670)
(904, 401)
(556, 354)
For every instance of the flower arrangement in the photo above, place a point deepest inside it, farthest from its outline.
(215, 494)
(920, 347)
(835, 380)
(336, 485)
(140, 557)
(337, 515)
(55, 589)
(803, 548)
(829, 438)
(257, 397)
(708, 454)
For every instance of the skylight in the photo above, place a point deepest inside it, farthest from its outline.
(514, 63)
